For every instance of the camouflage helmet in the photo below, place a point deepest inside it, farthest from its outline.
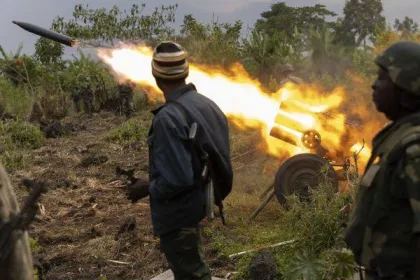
(402, 61)
(287, 68)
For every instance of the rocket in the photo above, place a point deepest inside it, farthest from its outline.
(60, 38)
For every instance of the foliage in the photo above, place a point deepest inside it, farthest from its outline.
(264, 54)
(132, 130)
(214, 43)
(362, 18)
(16, 138)
(15, 100)
(34, 245)
(18, 69)
(48, 52)
(362, 62)
(408, 25)
(286, 18)
(326, 56)
(388, 36)
(305, 266)
(101, 26)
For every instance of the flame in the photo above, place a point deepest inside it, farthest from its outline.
(363, 153)
(244, 102)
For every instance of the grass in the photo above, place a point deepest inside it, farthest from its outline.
(133, 130)
(16, 101)
(17, 138)
(318, 225)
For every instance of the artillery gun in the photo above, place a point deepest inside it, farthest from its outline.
(304, 171)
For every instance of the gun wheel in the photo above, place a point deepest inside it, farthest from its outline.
(301, 172)
(311, 139)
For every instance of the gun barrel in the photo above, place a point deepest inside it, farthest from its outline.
(60, 38)
(281, 134)
(285, 120)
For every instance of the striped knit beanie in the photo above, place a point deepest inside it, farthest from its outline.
(170, 61)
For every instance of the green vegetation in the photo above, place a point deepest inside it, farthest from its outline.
(17, 138)
(133, 130)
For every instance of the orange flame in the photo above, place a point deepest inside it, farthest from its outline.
(242, 99)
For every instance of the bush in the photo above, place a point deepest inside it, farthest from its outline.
(16, 138)
(132, 130)
(16, 101)
(21, 134)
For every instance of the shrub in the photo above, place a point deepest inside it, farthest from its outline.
(16, 138)
(132, 130)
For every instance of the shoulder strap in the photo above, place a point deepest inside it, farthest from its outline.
(183, 111)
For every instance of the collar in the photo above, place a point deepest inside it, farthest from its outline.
(175, 94)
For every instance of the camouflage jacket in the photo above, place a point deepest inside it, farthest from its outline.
(383, 229)
(125, 89)
(19, 264)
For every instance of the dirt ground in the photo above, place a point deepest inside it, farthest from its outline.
(80, 228)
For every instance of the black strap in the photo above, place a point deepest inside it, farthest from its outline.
(196, 162)
(197, 165)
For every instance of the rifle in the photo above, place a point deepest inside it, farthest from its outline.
(128, 173)
(20, 222)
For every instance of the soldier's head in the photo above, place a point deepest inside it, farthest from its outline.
(284, 71)
(169, 66)
(396, 91)
(287, 69)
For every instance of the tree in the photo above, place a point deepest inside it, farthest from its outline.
(326, 56)
(362, 19)
(213, 43)
(262, 53)
(17, 68)
(48, 52)
(102, 26)
(285, 18)
(407, 26)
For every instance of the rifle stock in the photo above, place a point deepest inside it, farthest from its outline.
(19, 223)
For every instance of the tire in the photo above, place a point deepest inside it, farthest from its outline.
(300, 172)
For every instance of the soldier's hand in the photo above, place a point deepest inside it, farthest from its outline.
(138, 190)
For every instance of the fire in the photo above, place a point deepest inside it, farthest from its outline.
(242, 99)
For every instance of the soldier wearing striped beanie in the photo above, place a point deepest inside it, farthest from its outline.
(170, 62)
(175, 186)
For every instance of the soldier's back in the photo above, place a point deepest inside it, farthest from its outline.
(18, 266)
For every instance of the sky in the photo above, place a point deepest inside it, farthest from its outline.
(42, 12)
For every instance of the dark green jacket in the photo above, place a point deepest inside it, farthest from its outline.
(176, 199)
(383, 230)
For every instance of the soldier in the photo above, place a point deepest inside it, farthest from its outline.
(126, 96)
(286, 75)
(384, 230)
(87, 96)
(84, 92)
(18, 266)
(75, 96)
(175, 186)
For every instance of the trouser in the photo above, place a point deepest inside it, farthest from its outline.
(88, 104)
(183, 252)
(128, 105)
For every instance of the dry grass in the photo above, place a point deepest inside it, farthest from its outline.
(86, 206)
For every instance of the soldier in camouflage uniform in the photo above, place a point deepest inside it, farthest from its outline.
(384, 230)
(286, 75)
(126, 95)
(175, 187)
(87, 96)
(75, 96)
(18, 266)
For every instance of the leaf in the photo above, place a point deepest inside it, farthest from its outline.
(305, 266)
